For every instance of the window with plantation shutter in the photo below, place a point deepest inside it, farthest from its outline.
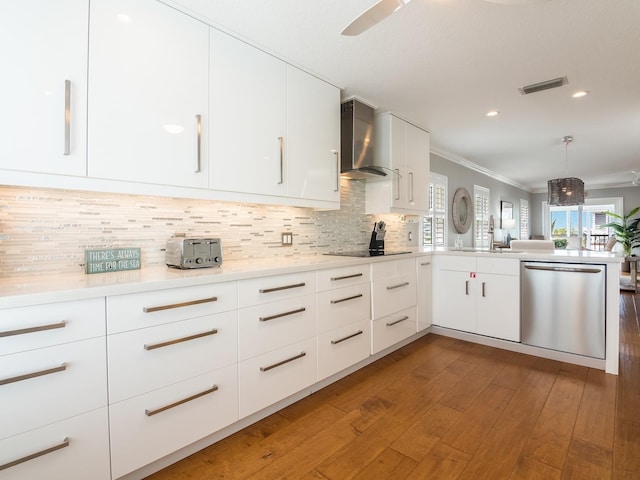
(434, 224)
(524, 220)
(481, 217)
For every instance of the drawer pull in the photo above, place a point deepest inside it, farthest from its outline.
(335, 342)
(279, 315)
(179, 305)
(149, 413)
(484, 289)
(355, 275)
(153, 346)
(28, 376)
(270, 367)
(395, 322)
(61, 445)
(425, 264)
(277, 289)
(40, 328)
(393, 287)
(346, 299)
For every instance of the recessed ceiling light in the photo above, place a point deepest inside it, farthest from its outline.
(493, 113)
(580, 93)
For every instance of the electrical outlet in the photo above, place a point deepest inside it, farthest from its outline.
(287, 239)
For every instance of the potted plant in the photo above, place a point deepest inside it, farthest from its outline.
(626, 229)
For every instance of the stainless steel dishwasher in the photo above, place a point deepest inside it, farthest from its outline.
(563, 307)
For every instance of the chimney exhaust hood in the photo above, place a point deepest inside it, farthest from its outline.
(357, 142)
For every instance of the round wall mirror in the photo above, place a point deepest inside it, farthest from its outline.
(462, 210)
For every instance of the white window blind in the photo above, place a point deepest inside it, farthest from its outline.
(481, 216)
(434, 224)
(524, 220)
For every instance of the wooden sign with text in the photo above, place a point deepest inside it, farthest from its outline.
(112, 260)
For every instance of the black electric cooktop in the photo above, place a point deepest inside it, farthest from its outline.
(366, 253)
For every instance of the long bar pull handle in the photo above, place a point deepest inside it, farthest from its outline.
(484, 289)
(13, 463)
(333, 302)
(340, 340)
(395, 322)
(466, 287)
(198, 143)
(398, 184)
(39, 328)
(337, 154)
(344, 277)
(67, 117)
(150, 413)
(425, 264)
(277, 289)
(39, 373)
(280, 315)
(281, 143)
(411, 187)
(393, 287)
(563, 269)
(282, 362)
(179, 305)
(153, 346)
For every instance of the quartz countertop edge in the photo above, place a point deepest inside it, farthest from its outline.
(51, 288)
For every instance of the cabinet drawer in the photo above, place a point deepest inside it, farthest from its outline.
(337, 308)
(392, 329)
(394, 294)
(343, 347)
(82, 450)
(140, 310)
(47, 385)
(459, 263)
(258, 291)
(266, 379)
(27, 328)
(501, 266)
(342, 277)
(392, 268)
(151, 358)
(144, 430)
(264, 328)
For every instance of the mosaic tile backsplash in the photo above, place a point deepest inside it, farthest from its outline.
(46, 231)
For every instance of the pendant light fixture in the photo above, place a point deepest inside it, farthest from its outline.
(569, 190)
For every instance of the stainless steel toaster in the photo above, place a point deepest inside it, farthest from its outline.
(193, 252)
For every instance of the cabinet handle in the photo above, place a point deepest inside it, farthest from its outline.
(153, 346)
(281, 143)
(335, 342)
(28, 376)
(67, 117)
(13, 463)
(333, 302)
(282, 362)
(337, 154)
(563, 269)
(149, 413)
(398, 183)
(484, 289)
(393, 287)
(277, 289)
(395, 322)
(466, 287)
(279, 315)
(39, 328)
(425, 264)
(179, 305)
(411, 187)
(198, 142)
(355, 275)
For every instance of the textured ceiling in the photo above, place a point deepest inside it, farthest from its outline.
(442, 64)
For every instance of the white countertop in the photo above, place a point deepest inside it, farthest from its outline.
(31, 290)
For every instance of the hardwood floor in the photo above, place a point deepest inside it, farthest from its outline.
(446, 409)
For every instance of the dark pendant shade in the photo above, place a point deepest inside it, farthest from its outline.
(566, 191)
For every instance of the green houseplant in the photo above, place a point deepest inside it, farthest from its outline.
(626, 229)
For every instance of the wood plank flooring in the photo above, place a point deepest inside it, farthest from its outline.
(441, 408)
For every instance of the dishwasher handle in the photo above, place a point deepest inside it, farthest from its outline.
(563, 269)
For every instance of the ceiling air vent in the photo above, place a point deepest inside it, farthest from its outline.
(546, 85)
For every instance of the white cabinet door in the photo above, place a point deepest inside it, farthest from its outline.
(43, 46)
(313, 133)
(455, 301)
(498, 306)
(417, 169)
(424, 296)
(248, 118)
(148, 99)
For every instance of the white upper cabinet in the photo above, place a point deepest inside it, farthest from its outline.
(404, 149)
(248, 118)
(313, 132)
(43, 46)
(148, 95)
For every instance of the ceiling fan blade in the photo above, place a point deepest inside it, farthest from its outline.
(373, 15)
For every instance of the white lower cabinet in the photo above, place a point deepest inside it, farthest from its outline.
(343, 347)
(424, 306)
(389, 330)
(151, 426)
(73, 449)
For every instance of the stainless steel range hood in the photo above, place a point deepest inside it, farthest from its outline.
(357, 142)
